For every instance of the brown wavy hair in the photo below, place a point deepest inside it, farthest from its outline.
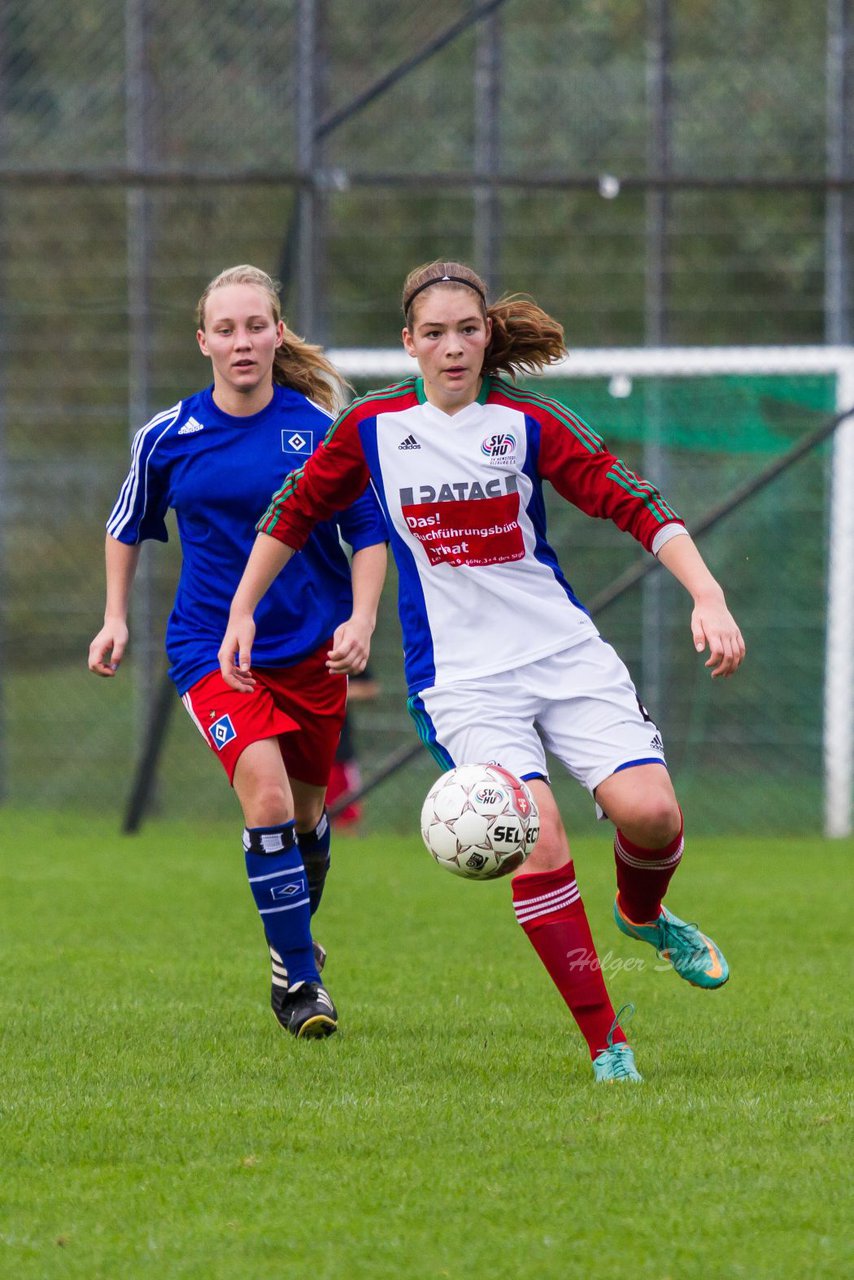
(524, 337)
(297, 363)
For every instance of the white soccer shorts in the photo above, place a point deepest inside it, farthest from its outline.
(580, 704)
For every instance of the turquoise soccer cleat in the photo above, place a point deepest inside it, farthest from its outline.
(695, 957)
(616, 1062)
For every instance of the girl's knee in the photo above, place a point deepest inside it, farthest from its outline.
(266, 805)
(654, 821)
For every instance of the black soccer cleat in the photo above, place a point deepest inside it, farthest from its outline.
(307, 1011)
(279, 976)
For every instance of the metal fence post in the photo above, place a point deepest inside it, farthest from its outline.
(146, 646)
(5, 487)
(306, 124)
(487, 150)
(657, 204)
(837, 266)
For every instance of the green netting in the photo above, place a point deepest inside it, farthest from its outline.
(732, 413)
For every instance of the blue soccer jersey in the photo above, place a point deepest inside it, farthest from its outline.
(217, 471)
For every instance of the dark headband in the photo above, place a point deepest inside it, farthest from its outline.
(443, 280)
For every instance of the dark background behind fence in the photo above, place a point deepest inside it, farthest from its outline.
(653, 173)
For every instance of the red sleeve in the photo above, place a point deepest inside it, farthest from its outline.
(334, 476)
(579, 466)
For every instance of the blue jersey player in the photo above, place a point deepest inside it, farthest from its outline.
(213, 458)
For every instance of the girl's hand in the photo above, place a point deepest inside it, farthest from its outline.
(351, 647)
(712, 624)
(107, 649)
(235, 653)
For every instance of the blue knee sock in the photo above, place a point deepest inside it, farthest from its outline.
(279, 886)
(314, 847)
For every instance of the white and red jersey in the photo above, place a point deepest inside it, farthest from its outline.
(480, 589)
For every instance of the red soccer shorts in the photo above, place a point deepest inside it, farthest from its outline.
(303, 706)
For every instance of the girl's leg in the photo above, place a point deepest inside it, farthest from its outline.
(648, 846)
(262, 786)
(642, 805)
(494, 719)
(548, 906)
(279, 884)
(314, 832)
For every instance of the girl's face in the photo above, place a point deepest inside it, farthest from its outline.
(448, 338)
(240, 337)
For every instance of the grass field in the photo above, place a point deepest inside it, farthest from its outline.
(156, 1122)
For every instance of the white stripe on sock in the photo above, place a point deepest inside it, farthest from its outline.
(648, 864)
(533, 908)
(274, 875)
(272, 911)
(571, 885)
(270, 841)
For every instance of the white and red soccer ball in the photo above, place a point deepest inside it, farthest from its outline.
(479, 821)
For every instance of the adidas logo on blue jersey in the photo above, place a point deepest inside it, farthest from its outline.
(409, 443)
(190, 426)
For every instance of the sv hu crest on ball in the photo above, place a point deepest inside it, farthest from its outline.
(479, 821)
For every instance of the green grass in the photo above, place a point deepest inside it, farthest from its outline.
(156, 1122)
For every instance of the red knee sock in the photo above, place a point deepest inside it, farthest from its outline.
(548, 906)
(643, 876)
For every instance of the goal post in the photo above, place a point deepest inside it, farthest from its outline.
(718, 387)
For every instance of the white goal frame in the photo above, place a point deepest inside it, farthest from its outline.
(382, 366)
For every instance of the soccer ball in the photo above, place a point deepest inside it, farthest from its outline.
(479, 821)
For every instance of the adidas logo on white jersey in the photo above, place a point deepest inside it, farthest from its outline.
(190, 426)
(409, 443)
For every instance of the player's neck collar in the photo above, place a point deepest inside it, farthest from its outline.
(480, 398)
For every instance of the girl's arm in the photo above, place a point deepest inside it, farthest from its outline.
(712, 623)
(107, 649)
(267, 559)
(351, 644)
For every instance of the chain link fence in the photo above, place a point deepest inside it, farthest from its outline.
(653, 173)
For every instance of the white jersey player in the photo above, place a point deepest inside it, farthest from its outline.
(502, 660)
